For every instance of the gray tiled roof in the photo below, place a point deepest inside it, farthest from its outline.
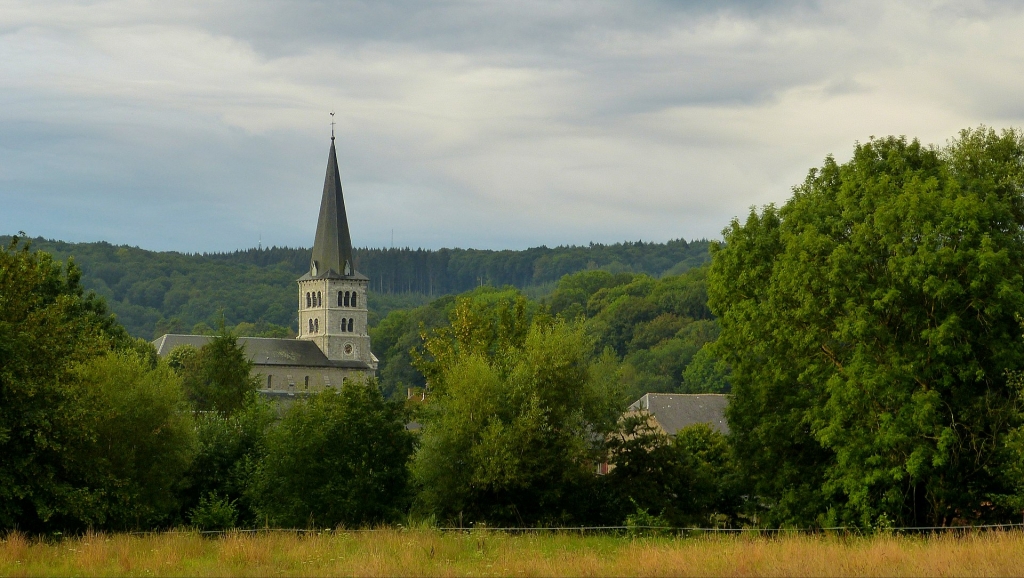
(332, 246)
(674, 411)
(264, 351)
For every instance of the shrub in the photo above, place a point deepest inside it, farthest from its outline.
(214, 513)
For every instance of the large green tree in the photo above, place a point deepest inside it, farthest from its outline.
(869, 324)
(515, 417)
(47, 326)
(217, 376)
(90, 429)
(337, 457)
(144, 438)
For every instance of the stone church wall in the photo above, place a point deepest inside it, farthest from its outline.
(300, 379)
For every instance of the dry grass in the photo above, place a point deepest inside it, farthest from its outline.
(433, 553)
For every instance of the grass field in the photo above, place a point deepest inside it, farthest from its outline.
(434, 553)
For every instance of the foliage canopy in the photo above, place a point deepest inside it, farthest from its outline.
(253, 290)
(870, 323)
(47, 415)
(514, 420)
(337, 457)
(217, 376)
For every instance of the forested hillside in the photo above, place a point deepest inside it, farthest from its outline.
(158, 292)
(654, 329)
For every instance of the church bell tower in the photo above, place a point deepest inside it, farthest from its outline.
(332, 295)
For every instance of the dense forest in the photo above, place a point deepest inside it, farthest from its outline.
(153, 293)
(655, 329)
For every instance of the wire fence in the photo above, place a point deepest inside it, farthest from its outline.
(678, 530)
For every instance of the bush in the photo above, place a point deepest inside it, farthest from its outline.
(336, 458)
(228, 449)
(214, 513)
(689, 480)
(643, 524)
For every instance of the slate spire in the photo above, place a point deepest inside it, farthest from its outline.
(332, 247)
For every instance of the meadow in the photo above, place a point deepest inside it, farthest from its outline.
(424, 552)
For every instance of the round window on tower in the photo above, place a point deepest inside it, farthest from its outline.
(348, 349)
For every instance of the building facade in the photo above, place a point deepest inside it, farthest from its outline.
(333, 342)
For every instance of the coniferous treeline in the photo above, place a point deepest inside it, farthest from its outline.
(450, 271)
(159, 292)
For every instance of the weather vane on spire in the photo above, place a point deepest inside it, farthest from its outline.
(332, 125)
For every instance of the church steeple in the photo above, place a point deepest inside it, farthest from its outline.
(332, 247)
(333, 296)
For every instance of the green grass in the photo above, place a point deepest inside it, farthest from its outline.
(393, 552)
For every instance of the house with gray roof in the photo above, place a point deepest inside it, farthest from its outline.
(333, 342)
(671, 412)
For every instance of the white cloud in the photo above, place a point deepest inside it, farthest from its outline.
(197, 126)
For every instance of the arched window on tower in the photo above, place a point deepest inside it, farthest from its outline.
(350, 326)
(346, 298)
(309, 301)
(343, 326)
(353, 299)
(340, 293)
(311, 326)
(319, 299)
(316, 326)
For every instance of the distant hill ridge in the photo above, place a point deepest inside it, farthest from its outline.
(155, 292)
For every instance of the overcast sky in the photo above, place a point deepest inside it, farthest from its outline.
(204, 126)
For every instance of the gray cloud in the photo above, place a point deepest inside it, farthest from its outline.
(202, 126)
